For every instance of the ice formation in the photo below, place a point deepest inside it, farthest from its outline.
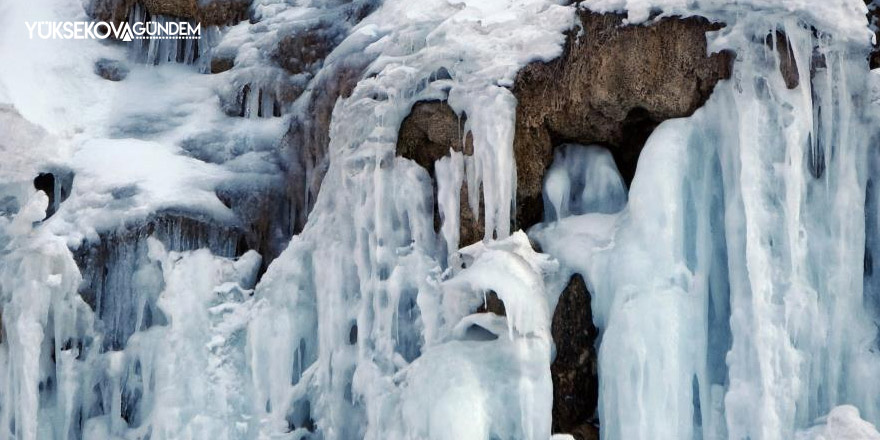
(733, 283)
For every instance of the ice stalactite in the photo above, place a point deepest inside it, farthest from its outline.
(170, 49)
(46, 331)
(801, 280)
(188, 378)
(355, 320)
(730, 289)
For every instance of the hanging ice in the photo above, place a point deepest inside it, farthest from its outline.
(730, 290)
(735, 284)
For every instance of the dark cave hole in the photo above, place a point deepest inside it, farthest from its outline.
(46, 182)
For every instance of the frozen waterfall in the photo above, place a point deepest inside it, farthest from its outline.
(735, 283)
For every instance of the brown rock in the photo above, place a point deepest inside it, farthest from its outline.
(585, 432)
(574, 371)
(430, 131)
(221, 12)
(308, 138)
(612, 86)
(492, 304)
(221, 64)
(113, 11)
(787, 64)
(427, 134)
(214, 13)
(305, 49)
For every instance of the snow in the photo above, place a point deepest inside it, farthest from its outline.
(138, 178)
(732, 284)
(842, 423)
(844, 18)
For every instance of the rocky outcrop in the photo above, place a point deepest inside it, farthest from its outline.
(613, 84)
(113, 11)
(212, 13)
(220, 64)
(574, 371)
(120, 282)
(307, 140)
(304, 50)
(427, 134)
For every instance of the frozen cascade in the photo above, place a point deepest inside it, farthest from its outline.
(46, 330)
(734, 285)
(171, 50)
(350, 328)
(358, 312)
(745, 316)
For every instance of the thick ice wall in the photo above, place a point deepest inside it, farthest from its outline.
(326, 312)
(188, 378)
(812, 230)
(754, 211)
(46, 329)
(357, 310)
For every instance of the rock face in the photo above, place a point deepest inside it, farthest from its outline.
(612, 86)
(426, 135)
(213, 13)
(308, 138)
(874, 20)
(118, 278)
(305, 49)
(221, 64)
(574, 371)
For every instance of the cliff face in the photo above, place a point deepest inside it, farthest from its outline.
(213, 13)
(613, 84)
(365, 315)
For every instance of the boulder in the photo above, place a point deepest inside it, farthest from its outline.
(111, 70)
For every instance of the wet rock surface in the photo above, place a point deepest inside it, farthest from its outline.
(574, 371)
(430, 131)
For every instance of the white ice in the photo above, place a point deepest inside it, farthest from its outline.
(732, 284)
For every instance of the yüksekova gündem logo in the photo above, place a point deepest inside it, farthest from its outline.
(100, 30)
